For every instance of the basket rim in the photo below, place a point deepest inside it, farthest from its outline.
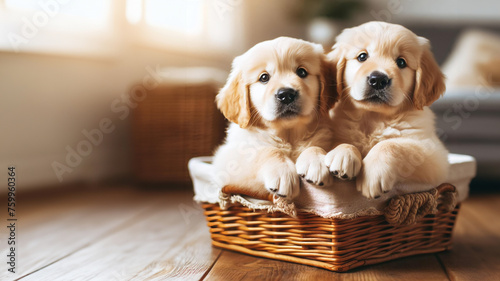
(462, 170)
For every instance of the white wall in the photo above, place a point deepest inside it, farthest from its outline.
(264, 20)
(433, 11)
(47, 100)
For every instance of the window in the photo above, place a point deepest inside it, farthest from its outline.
(56, 26)
(187, 25)
(179, 16)
(94, 12)
(100, 26)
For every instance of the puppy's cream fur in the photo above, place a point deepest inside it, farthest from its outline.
(262, 146)
(395, 140)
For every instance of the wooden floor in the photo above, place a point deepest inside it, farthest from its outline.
(124, 233)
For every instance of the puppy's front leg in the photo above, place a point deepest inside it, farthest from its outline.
(279, 176)
(311, 166)
(258, 169)
(344, 161)
(402, 160)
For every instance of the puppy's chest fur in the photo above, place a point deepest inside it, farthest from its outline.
(367, 130)
(290, 142)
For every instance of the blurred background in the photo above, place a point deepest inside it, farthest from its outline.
(104, 91)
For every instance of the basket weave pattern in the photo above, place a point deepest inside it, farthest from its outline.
(173, 124)
(330, 243)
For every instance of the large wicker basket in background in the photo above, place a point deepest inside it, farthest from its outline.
(174, 123)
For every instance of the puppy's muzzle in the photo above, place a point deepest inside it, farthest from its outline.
(378, 80)
(286, 95)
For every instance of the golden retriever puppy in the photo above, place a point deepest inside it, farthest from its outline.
(386, 79)
(275, 97)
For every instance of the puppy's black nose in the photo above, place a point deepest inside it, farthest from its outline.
(286, 95)
(378, 80)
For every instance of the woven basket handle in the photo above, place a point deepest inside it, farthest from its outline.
(447, 195)
(232, 189)
(409, 208)
(445, 187)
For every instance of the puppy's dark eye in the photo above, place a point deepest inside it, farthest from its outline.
(362, 57)
(302, 73)
(264, 77)
(401, 62)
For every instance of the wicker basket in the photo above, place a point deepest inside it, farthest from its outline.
(325, 232)
(173, 124)
(330, 243)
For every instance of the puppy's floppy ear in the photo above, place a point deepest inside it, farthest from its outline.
(233, 99)
(337, 58)
(328, 93)
(429, 80)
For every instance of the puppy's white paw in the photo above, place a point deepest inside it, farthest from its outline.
(281, 178)
(376, 178)
(344, 161)
(311, 166)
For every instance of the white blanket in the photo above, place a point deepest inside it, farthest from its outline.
(338, 200)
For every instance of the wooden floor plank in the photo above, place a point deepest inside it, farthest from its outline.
(189, 258)
(476, 242)
(52, 228)
(485, 210)
(168, 241)
(236, 266)
(421, 267)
